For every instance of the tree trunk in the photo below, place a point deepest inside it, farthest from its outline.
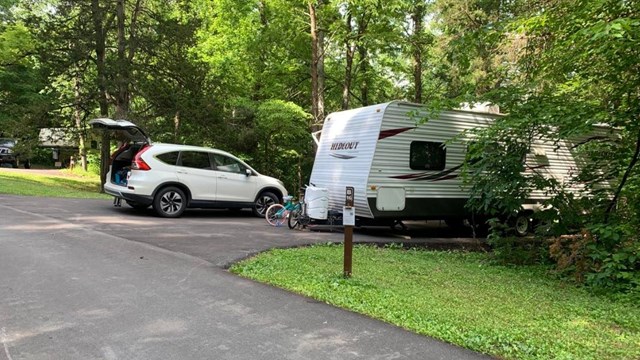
(418, 19)
(262, 55)
(632, 164)
(98, 17)
(77, 115)
(317, 68)
(363, 23)
(364, 70)
(122, 79)
(346, 88)
(176, 127)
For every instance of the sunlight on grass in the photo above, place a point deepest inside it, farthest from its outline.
(514, 313)
(50, 186)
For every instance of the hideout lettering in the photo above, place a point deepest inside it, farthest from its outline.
(352, 145)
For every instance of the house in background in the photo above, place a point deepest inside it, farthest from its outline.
(63, 144)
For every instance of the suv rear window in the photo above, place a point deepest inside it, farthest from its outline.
(195, 159)
(170, 158)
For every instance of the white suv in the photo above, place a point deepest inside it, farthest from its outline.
(173, 177)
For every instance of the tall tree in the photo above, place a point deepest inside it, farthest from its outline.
(98, 18)
(317, 64)
(418, 47)
(23, 101)
(349, 55)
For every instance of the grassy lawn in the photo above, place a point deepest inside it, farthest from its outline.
(16, 183)
(461, 298)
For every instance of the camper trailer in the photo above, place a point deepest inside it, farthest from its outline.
(403, 164)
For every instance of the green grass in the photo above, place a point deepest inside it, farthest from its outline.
(50, 186)
(461, 298)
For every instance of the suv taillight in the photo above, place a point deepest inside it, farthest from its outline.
(138, 163)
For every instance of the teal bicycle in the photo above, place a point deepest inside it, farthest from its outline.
(277, 214)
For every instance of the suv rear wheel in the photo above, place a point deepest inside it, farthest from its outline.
(170, 202)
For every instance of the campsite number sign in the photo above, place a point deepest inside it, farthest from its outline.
(348, 220)
(348, 212)
(349, 196)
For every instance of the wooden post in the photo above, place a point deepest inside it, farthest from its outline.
(348, 220)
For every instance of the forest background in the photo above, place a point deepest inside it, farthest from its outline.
(255, 77)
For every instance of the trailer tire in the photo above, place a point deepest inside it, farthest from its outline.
(454, 223)
(522, 224)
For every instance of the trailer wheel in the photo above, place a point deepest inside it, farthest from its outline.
(454, 223)
(398, 225)
(522, 224)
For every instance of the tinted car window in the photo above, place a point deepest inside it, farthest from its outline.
(170, 158)
(227, 164)
(195, 159)
(7, 143)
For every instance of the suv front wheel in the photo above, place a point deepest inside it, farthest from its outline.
(170, 202)
(263, 202)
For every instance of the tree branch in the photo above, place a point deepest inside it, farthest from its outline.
(633, 162)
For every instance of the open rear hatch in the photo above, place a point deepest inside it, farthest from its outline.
(133, 140)
(122, 129)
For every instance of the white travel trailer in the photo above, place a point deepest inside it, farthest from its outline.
(404, 168)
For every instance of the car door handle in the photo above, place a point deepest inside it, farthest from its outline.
(181, 172)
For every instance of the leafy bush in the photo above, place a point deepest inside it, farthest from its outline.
(605, 257)
(93, 162)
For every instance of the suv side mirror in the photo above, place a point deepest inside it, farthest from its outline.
(247, 172)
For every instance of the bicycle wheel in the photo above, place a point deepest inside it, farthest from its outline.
(294, 216)
(283, 216)
(274, 214)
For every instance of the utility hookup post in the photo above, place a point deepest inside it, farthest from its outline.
(348, 220)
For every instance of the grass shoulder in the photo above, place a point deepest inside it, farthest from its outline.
(461, 298)
(50, 184)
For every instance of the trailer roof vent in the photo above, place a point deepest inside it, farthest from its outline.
(485, 107)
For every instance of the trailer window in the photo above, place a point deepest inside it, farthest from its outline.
(427, 155)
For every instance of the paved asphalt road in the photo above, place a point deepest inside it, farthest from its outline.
(83, 280)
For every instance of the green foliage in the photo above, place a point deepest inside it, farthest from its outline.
(21, 102)
(606, 257)
(507, 312)
(284, 141)
(563, 69)
(93, 162)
